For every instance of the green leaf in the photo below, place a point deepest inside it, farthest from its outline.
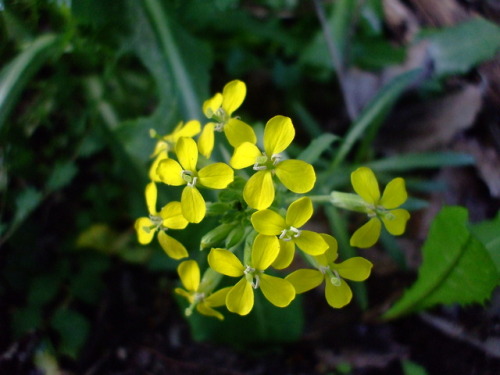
(375, 112)
(488, 232)
(62, 174)
(265, 324)
(456, 267)
(26, 202)
(411, 368)
(317, 146)
(15, 75)
(457, 49)
(426, 160)
(73, 329)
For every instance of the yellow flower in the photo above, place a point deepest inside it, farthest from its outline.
(219, 109)
(379, 208)
(194, 291)
(297, 175)
(168, 142)
(337, 291)
(184, 172)
(271, 223)
(240, 299)
(170, 217)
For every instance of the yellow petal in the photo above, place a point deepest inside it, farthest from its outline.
(265, 249)
(240, 298)
(367, 235)
(188, 295)
(331, 253)
(259, 190)
(206, 140)
(225, 262)
(193, 205)
(172, 216)
(151, 193)
(187, 153)
(285, 256)
(278, 134)
(337, 296)
(245, 155)
(238, 132)
(268, 222)
(365, 185)
(297, 175)
(394, 194)
(311, 242)
(395, 221)
(216, 175)
(233, 95)
(299, 212)
(217, 298)
(207, 310)
(211, 105)
(170, 172)
(144, 233)
(189, 273)
(305, 279)
(355, 269)
(190, 129)
(171, 246)
(153, 176)
(278, 291)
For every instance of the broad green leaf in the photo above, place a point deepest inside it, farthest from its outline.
(456, 267)
(425, 160)
(374, 113)
(73, 329)
(411, 368)
(15, 75)
(459, 48)
(26, 202)
(319, 145)
(488, 232)
(62, 174)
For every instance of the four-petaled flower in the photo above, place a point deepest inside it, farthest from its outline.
(194, 291)
(219, 109)
(271, 223)
(297, 175)
(169, 217)
(337, 291)
(167, 143)
(379, 208)
(240, 299)
(184, 172)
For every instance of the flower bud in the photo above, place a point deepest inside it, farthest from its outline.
(216, 235)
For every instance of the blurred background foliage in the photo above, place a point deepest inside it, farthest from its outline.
(83, 81)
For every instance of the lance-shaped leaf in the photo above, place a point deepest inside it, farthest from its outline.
(456, 267)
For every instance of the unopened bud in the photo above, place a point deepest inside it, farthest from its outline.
(216, 235)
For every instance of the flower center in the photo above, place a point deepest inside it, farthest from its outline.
(189, 177)
(265, 162)
(221, 118)
(252, 276)
(289, 234)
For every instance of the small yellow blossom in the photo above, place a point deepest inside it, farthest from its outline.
(379, 209)
(189, 273)
(297, 175)
(271, 223)
(184, 172)
(240, 299)
(219, 109)
(169, 217)
(337, 291)
(168, 142)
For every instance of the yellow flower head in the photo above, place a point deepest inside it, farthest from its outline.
(297, 175)
(184, 172)
(168, 142)
(379, 209)
(271, 223)
(169, 217)
(240, 299)
(219, 109)
(337, 291)
(189, 273)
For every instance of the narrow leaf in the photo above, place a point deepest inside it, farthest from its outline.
(405, 162)
(456, 267)
(317, 147)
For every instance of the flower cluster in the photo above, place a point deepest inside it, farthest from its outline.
(262, 211)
